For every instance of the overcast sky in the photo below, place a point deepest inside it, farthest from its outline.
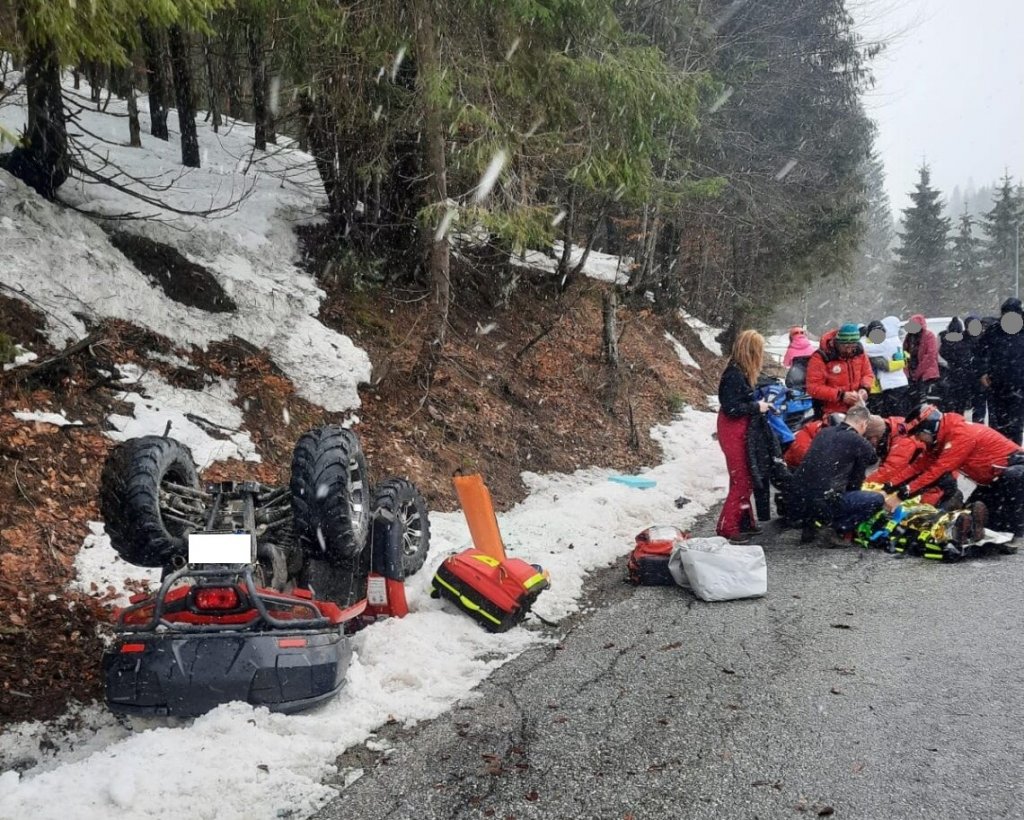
(950, 89)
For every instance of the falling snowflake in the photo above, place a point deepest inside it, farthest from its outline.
(490, 176)
(446, 223)
(784, 170)
(399, 57)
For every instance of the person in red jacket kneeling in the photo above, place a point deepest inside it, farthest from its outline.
(985, 456)
(899, 455)
(839, 373)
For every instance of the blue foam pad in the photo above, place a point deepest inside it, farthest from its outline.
(638, 481)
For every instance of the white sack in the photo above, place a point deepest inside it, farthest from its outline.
(715, 570)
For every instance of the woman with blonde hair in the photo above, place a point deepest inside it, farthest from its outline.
(737, 406)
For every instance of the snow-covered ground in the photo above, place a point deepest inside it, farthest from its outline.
(706, 333)
(63, 263)
(241, 762)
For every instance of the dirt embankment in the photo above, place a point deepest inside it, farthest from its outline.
(525, 388)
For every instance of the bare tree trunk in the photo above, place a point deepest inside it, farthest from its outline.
(573, 274)
(230, 73)
(609, 305)
(95, 82)
(177, 39)
(428, 71)
(211, 82)
(134, 128)
(156, 80)
(568, 222)
(258, 73)
(318, 126)
(42, 161)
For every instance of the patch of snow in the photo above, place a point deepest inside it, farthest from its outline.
(191, 413)
(171, 359)
(56, 419)
(682, 352)
(706, 333)
(20, 358)
(604, 267)
(97, 562)
(249, 246)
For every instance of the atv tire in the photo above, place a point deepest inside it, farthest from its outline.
(130, 488)
(400, 530)
(330, 495)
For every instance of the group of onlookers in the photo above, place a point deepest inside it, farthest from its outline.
(897, 402)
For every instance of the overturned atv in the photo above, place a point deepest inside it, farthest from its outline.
(236, 616)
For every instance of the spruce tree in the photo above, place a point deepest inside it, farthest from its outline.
(1000, 225)
(923, 257)
(966, 246)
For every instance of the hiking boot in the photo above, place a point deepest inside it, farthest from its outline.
(962, 529)
(979, 515)
(808, 534)
(741, 538)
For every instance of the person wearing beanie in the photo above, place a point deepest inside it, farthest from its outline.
(956, 348)
(839, 374)
(922, 349)
(1001, 361)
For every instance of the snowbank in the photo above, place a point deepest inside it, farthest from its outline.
(190, 413)
(63, 263)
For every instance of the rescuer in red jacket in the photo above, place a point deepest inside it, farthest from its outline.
(899, 456)
(984, 455)
(839, 373)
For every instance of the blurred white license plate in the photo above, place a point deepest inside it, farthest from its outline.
(219, 548)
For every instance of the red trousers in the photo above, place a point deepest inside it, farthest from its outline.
(736, 512)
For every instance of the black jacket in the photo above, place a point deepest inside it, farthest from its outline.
(1001, 356)
(958, 355)
(764, 456)
(836, 462)
(735, 395)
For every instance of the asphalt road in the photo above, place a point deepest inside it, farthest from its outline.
(862, 686)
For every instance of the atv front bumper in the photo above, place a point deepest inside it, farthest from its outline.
(188, 674)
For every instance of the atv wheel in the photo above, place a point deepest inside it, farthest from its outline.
(400, 534)
(134, 499)
(330, 490)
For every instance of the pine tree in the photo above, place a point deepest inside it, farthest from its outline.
(1000, 226)
(966, 246)
(923, 257)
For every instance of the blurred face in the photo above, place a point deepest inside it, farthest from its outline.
(877, 335)
(848, 350)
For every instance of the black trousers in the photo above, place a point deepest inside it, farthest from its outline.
(1004, 498)
(1006, 413)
